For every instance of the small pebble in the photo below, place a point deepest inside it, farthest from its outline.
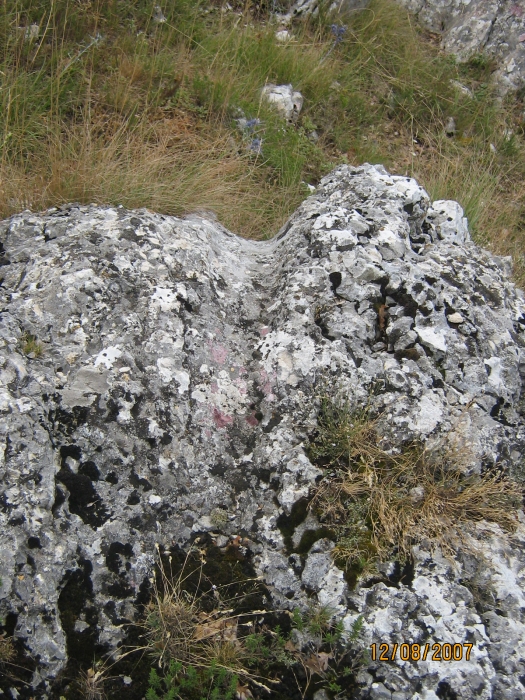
(450, 126)
(283, 35)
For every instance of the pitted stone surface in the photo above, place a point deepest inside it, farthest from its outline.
(180, 373)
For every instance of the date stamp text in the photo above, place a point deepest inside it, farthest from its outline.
(419, 652)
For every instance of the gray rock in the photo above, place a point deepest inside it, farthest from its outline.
(450, 127)
(321, 695)
(285, 99)
(493, 27)
(283, 36)
(338, 8)
(180, 374)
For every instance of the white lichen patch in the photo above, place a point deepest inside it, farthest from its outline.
(108, 356)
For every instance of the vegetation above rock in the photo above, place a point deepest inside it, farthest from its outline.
(135, 104)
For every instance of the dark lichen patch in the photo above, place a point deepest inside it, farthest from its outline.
(137, 481)
(335, 281)
(272, 423)
(115, 553)
(445, 692)
(133, 498)
(310, 537)
(79, 620)
(287, 524)
(144, 523)
(83, 498)
(90, 470)
(401, 573)
(65, 421)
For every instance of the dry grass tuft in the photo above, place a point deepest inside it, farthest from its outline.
(181, 628)
(7, 650)
(91, 684)
(31, 346)
(380, 503)
(159, 166)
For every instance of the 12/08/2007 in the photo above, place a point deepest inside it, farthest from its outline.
(418, 652)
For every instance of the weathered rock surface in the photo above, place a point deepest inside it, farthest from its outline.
(303, 8)
(469, 27)
(180, 374)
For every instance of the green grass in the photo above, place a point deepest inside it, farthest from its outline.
(104, 104)
(30, 345)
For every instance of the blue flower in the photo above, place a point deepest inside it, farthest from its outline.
(338, 30)
(251, 124)
(256, 146)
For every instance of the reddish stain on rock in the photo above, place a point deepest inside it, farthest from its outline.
(221, 419)
(264, 331)
(241, 385)
(265, 381)
(219, 353)
(252, 420)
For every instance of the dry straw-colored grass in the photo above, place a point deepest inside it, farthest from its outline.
(180, 627)
(7, 650)
(381, 502)
(154, 165)
(91, 683)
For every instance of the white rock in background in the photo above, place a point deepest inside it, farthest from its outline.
(303, 8)
(32, 32)
(286, 100)
(469, 27)
(283, 35)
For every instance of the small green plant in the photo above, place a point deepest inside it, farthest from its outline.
(219, 517)
(30, 345)
(213, 683)
(330, 657)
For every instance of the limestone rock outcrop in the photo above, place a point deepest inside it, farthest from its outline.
(467, 27)
(470, 27)
(155, 369)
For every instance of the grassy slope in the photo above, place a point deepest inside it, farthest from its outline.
(144, 115)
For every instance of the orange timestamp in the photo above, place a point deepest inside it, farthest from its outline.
(418, 652)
